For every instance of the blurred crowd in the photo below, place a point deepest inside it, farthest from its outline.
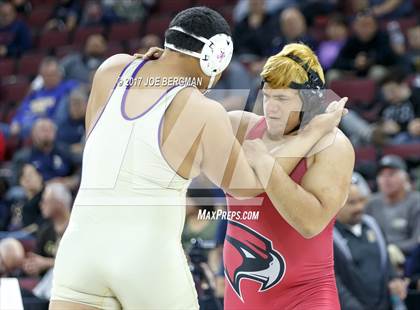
(369, 49)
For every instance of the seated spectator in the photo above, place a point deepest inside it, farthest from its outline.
(413, 51)
(31, 181)
(314, 8)
(336, 36)
(396, 207)
(272, 7)
(95, 15)
(65, 16)
(12, 256)
(25, 214)
(71, 129)
(51, 159)
(132, 11)
(366, 52)
(255, 33)
(293, 29)
(148, 41)
(44, 102)
(15, 37)
(55, 206)
(82, 66)
(364, 275)
(400, 112)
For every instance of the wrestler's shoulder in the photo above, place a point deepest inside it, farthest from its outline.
(340, 146)
(114, 64)
(243, 116)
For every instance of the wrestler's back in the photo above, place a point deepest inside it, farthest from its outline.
(123, 239)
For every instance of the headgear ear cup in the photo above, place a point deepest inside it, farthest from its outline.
(312, 92)
(215, 55)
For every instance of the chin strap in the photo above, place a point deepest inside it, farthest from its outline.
(212, 78)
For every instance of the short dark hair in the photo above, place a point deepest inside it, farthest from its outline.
(201, 21)
(395, 75)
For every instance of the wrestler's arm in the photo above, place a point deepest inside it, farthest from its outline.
(223, 160)
(294, 148)
(309, 207)
(103, 83)
(291, 151)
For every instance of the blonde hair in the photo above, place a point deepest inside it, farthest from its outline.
(279, 70)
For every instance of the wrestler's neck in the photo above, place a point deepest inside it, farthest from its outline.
(177, 64)
(279, 136)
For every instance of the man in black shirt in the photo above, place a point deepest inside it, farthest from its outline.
(367, 52)
(365, 278)
(55, 206)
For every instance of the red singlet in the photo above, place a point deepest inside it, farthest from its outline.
(269, 265)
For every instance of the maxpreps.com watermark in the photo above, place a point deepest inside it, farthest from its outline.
(220, 214)
(159, 81)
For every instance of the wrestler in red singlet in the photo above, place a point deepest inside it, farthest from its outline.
(269, 265)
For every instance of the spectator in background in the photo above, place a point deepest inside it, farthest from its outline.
(44, 102)
(50, 158)
(255, 33)
(11, 256)
(386, 9)
(396, 207)
(15, 36)
(132, 11)
(293, 29)
(82, 66)
(400, 114)
(71, 129)
(23, 7)
(364, 275)
(65, 16)
(412, 55)
(233, 88)
(336, 36)
(55, 206)
(366, 52)
(95, 15)
(272, 7)
(31, 181)
(313, 8)
(25, 215)
(146, 42)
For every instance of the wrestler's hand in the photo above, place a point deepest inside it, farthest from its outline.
(152, 54)
(327, 121)
(254, 150)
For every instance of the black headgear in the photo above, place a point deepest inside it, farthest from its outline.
(314, 81)
(311, 92)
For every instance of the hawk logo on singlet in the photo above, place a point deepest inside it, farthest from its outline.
(252, 257)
